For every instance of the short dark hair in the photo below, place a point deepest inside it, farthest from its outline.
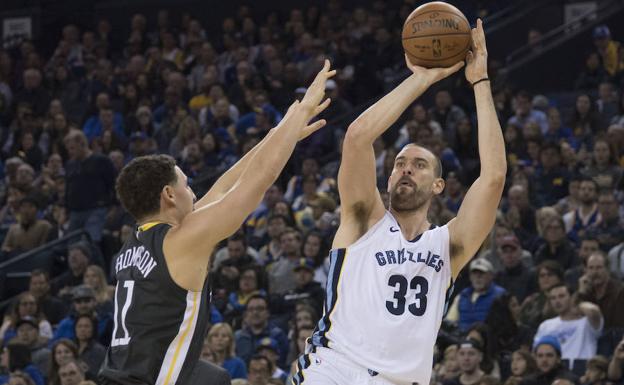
(45, 274)
(258, 296)
(553, 267)
(258, 357)
(238, 237)
(141, 181)
(560, 285)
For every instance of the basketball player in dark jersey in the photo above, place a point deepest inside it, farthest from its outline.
(162, 296)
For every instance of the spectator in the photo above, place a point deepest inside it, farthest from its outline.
(71, 373)
(90, 351)
(536, 307)
(52, 308)
(256, 327)
(220, 340)
(616, 260)
(603, 170)
(306, 290)
(523, 365)
(301, 335)
(269, 348)
(547, 353)
(506, 333)
(578, 221)
(616, 365)
(557, 247)
(607, 103)
(280, 271)
(17, 357)
(592, 75)
(83, 300)
(78, 259)
(524, 114)
(596, 372)
(63, 351)
(588, 246)
(550, 179)
(90, 182)
(276, 224)
(25, 305)
(585, 121)
(469, 356)
(607, 48)
(29, 232)
(610, 229)
(576, 327)
(260, 370)
(28, 335)
(33, 92)
(249, 285)
(597, 286)
(95, 278)
(520, 214)
(473, 303)
(237, 253)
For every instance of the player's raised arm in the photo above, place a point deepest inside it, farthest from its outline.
(478, 211)
(231, 176)
(360, 201)
(215, 221)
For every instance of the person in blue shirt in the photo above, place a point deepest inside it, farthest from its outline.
(17, 357)
(220, 341)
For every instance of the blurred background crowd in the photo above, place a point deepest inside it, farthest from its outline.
(542, 303)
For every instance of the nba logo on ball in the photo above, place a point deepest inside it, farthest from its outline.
(436, 34)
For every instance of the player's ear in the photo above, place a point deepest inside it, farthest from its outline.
(438, 186)
(167, 193)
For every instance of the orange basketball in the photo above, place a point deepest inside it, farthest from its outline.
(436, 34)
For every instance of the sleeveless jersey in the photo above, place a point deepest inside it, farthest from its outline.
(386, 297)
(159, 326)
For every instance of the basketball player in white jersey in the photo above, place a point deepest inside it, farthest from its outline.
(391, 270)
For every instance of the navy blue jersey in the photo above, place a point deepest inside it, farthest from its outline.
(159, 326)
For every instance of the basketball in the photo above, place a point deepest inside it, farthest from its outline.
(436, 34)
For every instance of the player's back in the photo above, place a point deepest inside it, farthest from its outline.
(159, 326)
(385, 300)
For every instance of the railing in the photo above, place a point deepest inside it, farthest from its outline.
(16, 271)
(564, 32)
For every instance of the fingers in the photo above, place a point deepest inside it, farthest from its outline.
(451, 70)
(469, 57)
(311, 128)
(322, 106)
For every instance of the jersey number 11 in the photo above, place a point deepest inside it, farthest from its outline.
(125, 340)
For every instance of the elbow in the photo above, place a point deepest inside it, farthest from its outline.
(356, 133)
(496, 178)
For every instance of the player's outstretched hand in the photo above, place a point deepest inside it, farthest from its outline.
(432, 75)
(476, 59)
(311, 101)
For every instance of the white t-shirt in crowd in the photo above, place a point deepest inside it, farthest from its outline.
(578, 339)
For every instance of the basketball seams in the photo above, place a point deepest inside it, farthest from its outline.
(462, 17)
(433, 60)
(436, 35)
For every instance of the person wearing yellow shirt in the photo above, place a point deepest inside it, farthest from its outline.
(608, 49)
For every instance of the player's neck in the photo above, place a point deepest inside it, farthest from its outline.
(161, 217)
(412, 223)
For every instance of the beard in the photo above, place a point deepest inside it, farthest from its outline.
(407, 199)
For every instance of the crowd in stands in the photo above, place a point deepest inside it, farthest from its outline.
(542, 303)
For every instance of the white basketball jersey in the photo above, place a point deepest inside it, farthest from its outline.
(386, 297)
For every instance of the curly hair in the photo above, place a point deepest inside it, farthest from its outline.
(140, 182)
